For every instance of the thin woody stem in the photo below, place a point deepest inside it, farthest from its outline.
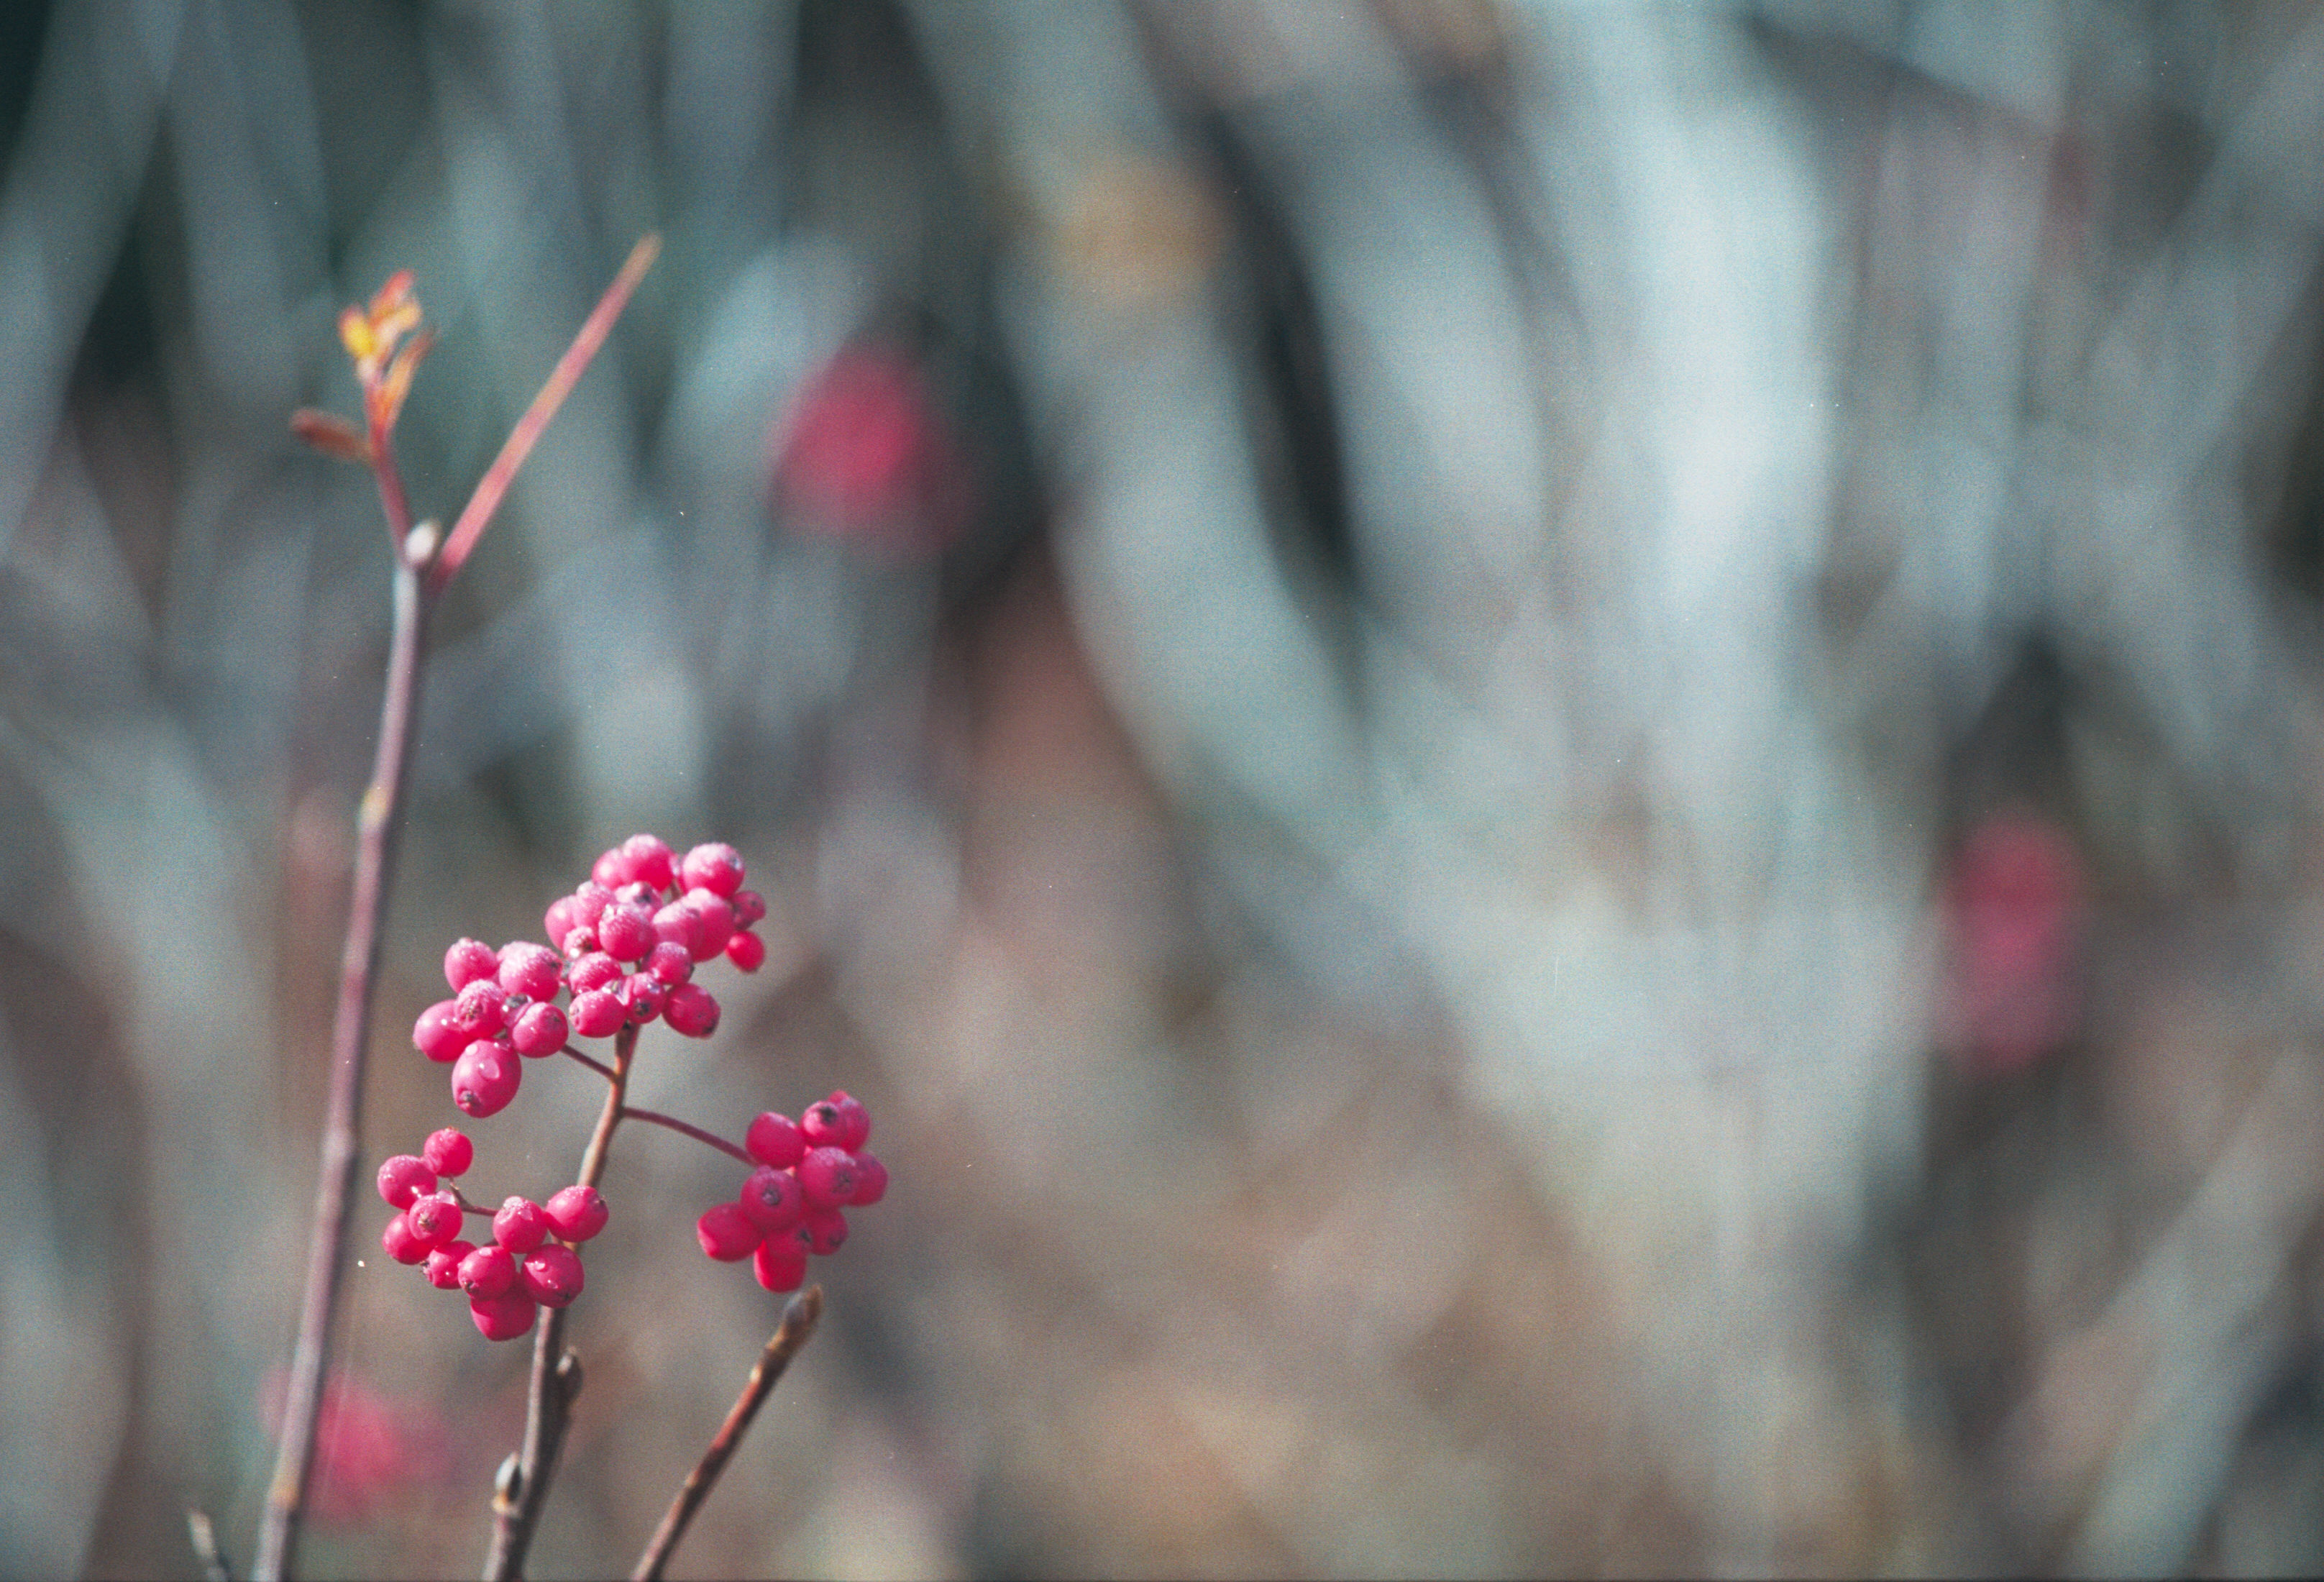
(597, 1066)
(555, 1371)
(478, 513)
(799, 1318)
(685, 1128)
(379, 823)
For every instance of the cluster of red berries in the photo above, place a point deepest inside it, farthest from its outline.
(627, 942)
(530, 1262)
(808, 1171)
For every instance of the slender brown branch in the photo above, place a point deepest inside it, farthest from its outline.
(597, 1066)
(799, 1316)
(555, 1371)
(478, 513)
(631, 1112)
(379, 824)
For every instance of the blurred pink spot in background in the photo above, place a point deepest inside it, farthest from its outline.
(863, 453)
(368, 1447)
(2013, 903)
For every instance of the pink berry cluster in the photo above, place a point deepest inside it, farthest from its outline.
(808, 1171)
(626, 943)
(533, 1261)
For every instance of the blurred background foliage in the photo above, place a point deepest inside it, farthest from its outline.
(1554, 772)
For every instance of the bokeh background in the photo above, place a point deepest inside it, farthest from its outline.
(1554, 772)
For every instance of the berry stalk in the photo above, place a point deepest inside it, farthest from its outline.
(799, 1316)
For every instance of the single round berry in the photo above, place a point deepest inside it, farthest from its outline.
(746, 950)
(404, 1178)
(611, 868)
(448, 1152)
(726, 1233)
(467, 961)
(488, 1272)
(541, 1031)
(775, 1139)
(714, 922)
(826, 1229)
(576, 1212)
(626, 932)
(436, 1035)
(838, 1121)
(396, 1240)
(644, 895)
(871, 1181)
(772, 1198)
(749, 907)
(521, 1225)
(669, 964)
(643, 995)
(597, 970)
(552, 1275)
(435, 1218)
(484, 1078)
(713, 866)
(561, 919)
(651, 862)
(590, 900)
(826, 1175)
(780, 1263)
(596, 1013)
(674, 925)
(579, 941)
(480, 1008)
(692, 1011)
(502, 1318)
(443, 1264)
(530, 969)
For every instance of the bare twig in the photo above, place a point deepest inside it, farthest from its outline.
(798, 1323)
(555, 1371)
(685, 1128)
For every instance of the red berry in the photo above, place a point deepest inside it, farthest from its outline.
(838, 1121)
(434, 1219)
(590, 900)
(396, 1240)
(530, 970)
(448, 1152)
(643, 995)
(750, 906)
(871, 1181)
(626, 932)
(502, 1318)
(780, 1264)
(520, 1226)
(651, 862)
(746, 950)
(774, 1139)
(826, 1229)
(714, 866)
(539, 1031)
(484, 1077)
(674, 925)
(669, 964)
(714, 922)
(552, 1275)
(403, 1177)
(576, 1212)
(468, 960)
(772, 1198)
(436, 1035)
(561, 919)
(480, 1008)
(596, 1014)
(597, 970)
(691, 1010)
(488, 1272)
(579, 941)
(611, 868)
(827, 1176)
(443, 1264)
(726, 1233)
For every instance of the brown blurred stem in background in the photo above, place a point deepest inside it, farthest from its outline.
(799, 1316)
(421, 576)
